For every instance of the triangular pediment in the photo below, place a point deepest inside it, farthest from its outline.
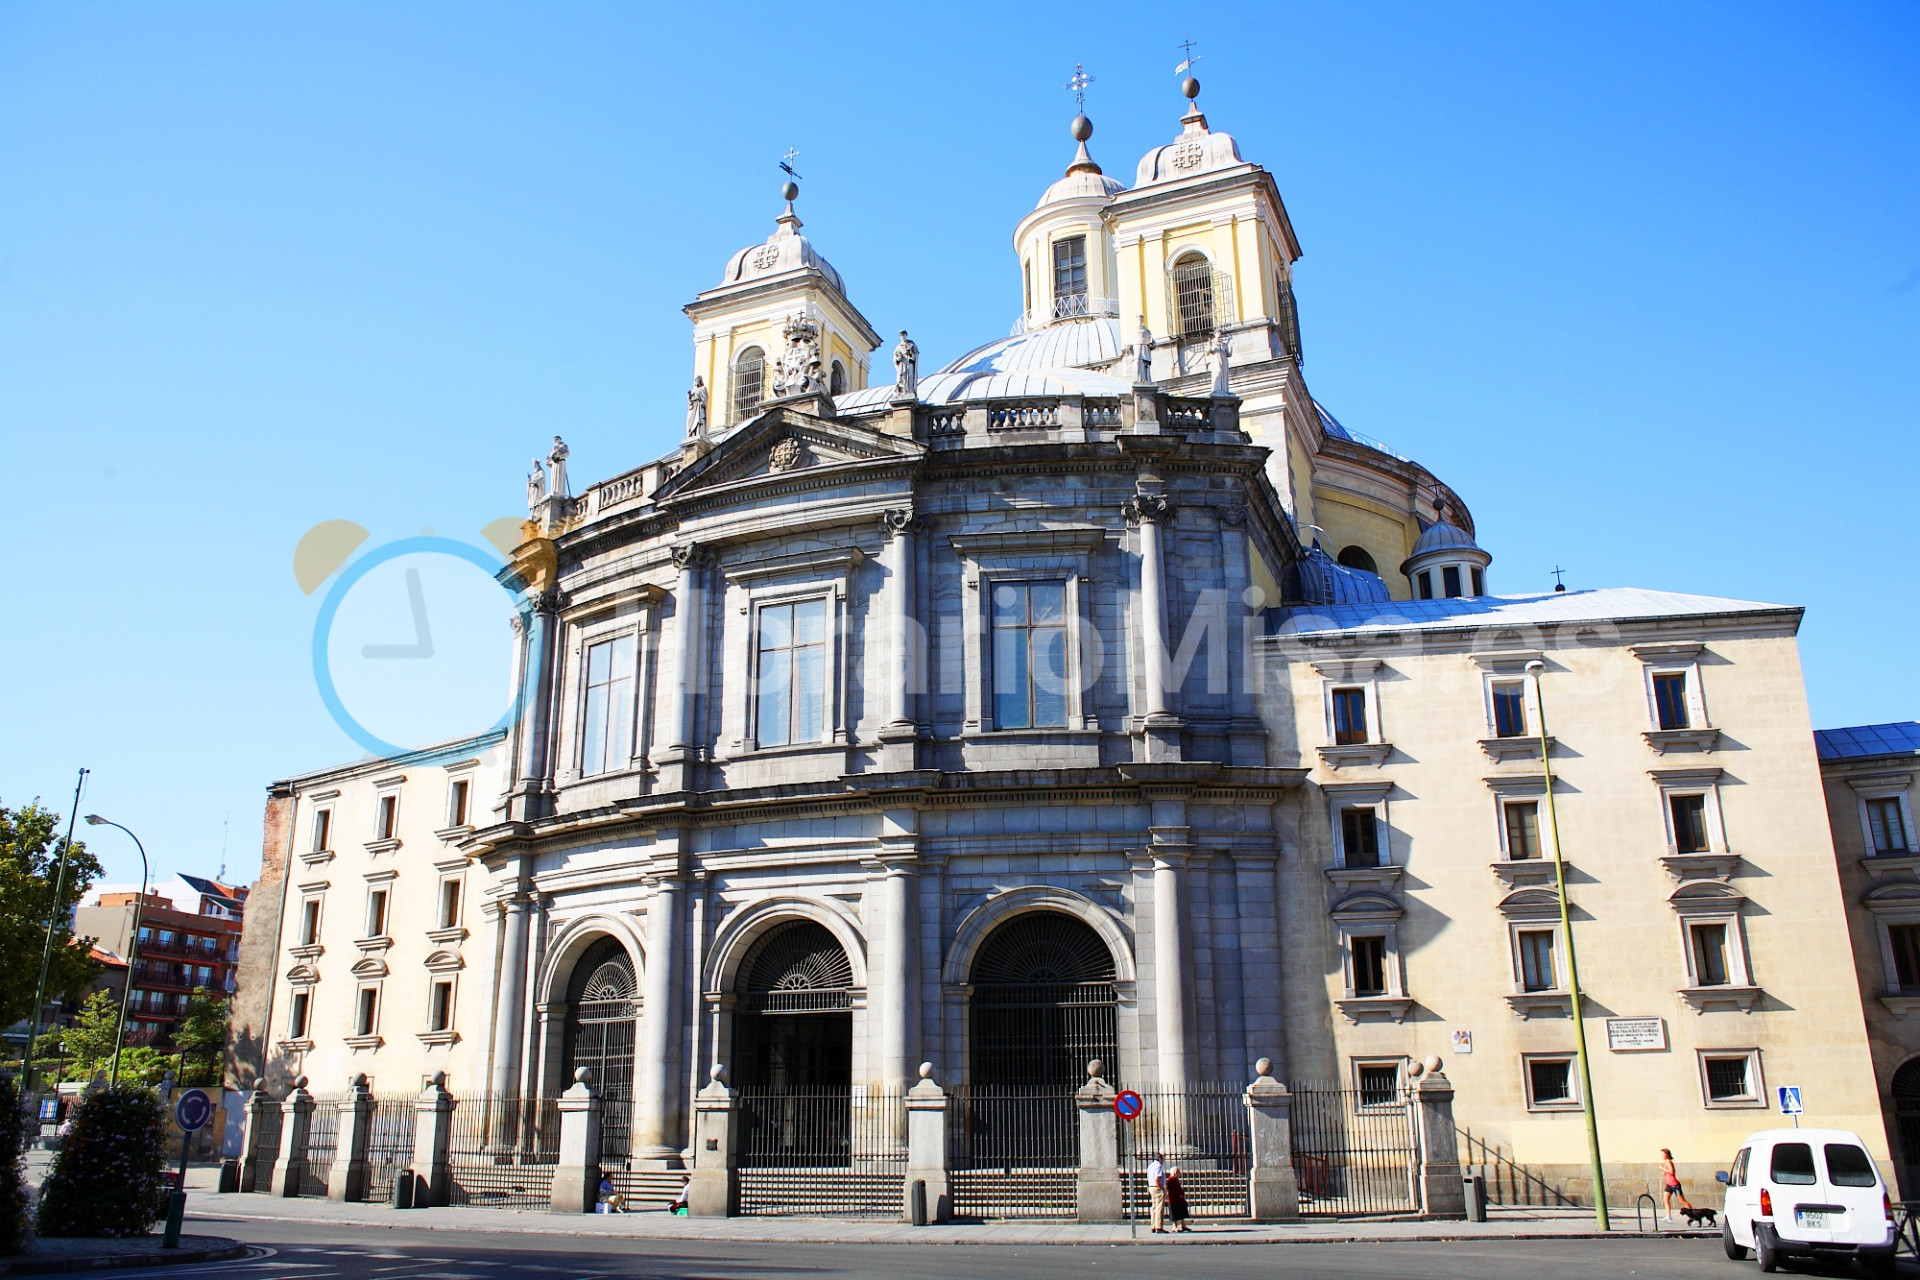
(785, 444)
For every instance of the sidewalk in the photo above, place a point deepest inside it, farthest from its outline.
(206, 1206)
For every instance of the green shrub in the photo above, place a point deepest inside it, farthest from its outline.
(110, 1176)
(13, 1182)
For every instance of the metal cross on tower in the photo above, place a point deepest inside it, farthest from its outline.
(1189, 57)
(786, 164)
(1078, 82)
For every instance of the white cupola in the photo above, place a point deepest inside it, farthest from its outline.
(1066, 253)
(1445, 563)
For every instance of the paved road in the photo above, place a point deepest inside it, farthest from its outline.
(296, 1251)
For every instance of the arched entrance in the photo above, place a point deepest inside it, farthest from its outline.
(793, 1011)
(603, 1002)
(1042, 1005)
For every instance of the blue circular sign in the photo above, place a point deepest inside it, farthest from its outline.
(193, 1110)
(1127, 1104)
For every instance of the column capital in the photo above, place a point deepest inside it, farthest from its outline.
(1147, 508)
(899, 522)
(691, 555)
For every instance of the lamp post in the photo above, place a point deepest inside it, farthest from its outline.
(1534, 669)
(133, 949)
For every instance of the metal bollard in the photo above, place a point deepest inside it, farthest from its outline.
(917, 1202)
(1476, 1196)
(229, 1176)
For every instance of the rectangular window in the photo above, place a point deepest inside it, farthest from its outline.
(1424, 581)
(1689, 823)
(1850, 1166)
(1730, 1079)
(607, 725)
(1479, 581)
(449, 904)
(1906, 954)
(369, 1011)
(1889, 825)
(1709, 954)
(1536, 960)
(1360, 837)
(1523, 829)
(146, 935)
(310, 922)
(166, 937)
(1349, 716)
(1370, 966)
(1670, 699)
(792, 690)
(1450, 580)
(377, 913)
(1550, 1083)
(1510, 709)
(440, 1008)
(1030, 655)
(1793, 1165)
(457, 803)
(1379, 1084)
(389, 819)
(297, 1025)
(1069, 275)
(322, 829)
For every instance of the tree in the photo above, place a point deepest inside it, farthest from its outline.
(200, 1037)
(29, 864)
(13, 1182)
(89, 1041)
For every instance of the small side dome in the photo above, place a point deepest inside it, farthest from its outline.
(783, 251)
(1081, 186)
(1446, 563)
(1196, 151)
(1323, 580)
(1443, 537)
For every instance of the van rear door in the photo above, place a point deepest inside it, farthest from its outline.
(1851, 1184)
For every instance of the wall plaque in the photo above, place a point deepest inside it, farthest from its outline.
(1636, 1035)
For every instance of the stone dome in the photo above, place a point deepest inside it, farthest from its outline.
(783, 251)
(1081, 185)
(1442, 537)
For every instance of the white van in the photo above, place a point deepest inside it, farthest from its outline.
(1807, 1193)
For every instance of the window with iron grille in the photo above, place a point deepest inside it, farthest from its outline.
(1670, 699)
(749, 376)
(1888, 824)
(1290, 321)
(1379, 1083)
(1042, 1005)
(1730, 1078)
(1070, 276)
(1191, 282)
(1550, 1084)
(1349, 716)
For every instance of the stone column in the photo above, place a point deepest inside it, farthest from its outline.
(713, 1189)
(656, 1099)
(900, 734)
(894, 987)
(1099, 1198)
(1150, 511)
(576, 1178)
(531, 794)
(510, 998)
(347, 1177)
(1171, 958)
(256, 1157)
(432, 1140)
(1273, 1188)
(676, 765)
(1442, 1193)
(296, 1126)
(927, 1147)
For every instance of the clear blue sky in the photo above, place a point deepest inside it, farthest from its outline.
(1641, 281)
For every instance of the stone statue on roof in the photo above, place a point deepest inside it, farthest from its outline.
(697, 408)
(906, 369)
(557, 461)
(1143, 355)
(536, 488)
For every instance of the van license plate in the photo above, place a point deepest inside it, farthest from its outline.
(1819, 1219)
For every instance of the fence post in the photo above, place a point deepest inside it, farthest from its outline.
(296, 1124)
(713, 1190)
(576, 1180)
(927, 1147)
(432, 1139)
(1273, 1188)
(1442, 1193)
(347, 1178)
(256, 1158)
(1097, 1194)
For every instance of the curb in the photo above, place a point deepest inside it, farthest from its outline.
(225, 1250)
(802, 1237)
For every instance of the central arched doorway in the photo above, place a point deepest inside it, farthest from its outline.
(602, 1004)
(793, 1011)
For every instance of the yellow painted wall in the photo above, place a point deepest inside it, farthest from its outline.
(1386, 536)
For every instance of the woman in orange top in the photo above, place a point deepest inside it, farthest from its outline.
(1670, 1177)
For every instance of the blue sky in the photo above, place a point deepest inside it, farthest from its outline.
(1641, 281)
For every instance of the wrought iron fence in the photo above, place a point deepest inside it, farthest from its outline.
(616, 1133)
(1013, 1152)
(389, 1145)
(502, 1151)
(821, 1151)
(1202, 1132)
(1355, 1153)
(266, 1145)
(323, 1140)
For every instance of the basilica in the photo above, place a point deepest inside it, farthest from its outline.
(1093, 695)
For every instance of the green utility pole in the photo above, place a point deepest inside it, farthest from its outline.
(46, 952)
(1534, 669)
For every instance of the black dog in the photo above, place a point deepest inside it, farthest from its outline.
(1699, 1217)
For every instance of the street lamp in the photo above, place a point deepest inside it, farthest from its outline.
(133, 950)
(1534, 669)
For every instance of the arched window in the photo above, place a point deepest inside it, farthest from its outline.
(749, 376)
(1190, 283)
(1356, 557)
(837, 379)
(603, 1001)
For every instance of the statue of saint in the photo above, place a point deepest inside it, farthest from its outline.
(1143, 355)
(697, 409)
(536, 488)
(1222, 348)
(557, 460)
(906, 369)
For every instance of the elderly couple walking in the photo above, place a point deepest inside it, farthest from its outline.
(1168, 1197)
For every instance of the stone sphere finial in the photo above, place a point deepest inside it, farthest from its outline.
(789, 191)
(439, 1079)
(582, 1074)
(1263, 1068)
(1190, 87)
(1432, 1064)
(926, 1071)
(299, 1082)
(717, 1073)
(1095, 1067)
(1081, 128)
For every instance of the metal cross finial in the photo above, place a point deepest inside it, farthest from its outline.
(1187, 48)
(1078, 83)
(1556, 571)
(786, 164)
